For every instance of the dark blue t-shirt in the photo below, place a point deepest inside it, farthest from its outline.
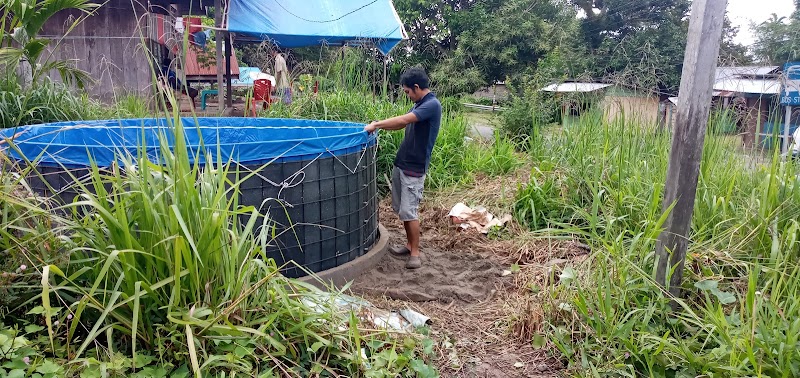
(414, 154)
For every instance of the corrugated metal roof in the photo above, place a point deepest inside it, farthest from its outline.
(574, 87)
(196, 71)
(674, 100)
(737, 72)
(757, 86)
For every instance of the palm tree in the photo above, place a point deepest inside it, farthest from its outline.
(21, 22)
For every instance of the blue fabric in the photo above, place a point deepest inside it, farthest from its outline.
(414, 155)
(200, 38)
(244, 79)
(291, 23)
(172, 78)
(241, 140)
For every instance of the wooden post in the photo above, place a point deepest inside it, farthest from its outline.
(228, 52)
(385, 78)
(787, 122)
(694, 102)
(220, 72)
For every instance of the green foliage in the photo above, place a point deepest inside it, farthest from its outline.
(529, 108)
(165, 266)
(468, 44)
(26, 232)
(602, 181)
(22, 21)
(52, 102)
(541, 204)
(45, 102)
(448, 165)
(495, 158)
(131, 105)
(776, 40)
(722, 121)
(619, 34)
(20, 357)
(453, 76)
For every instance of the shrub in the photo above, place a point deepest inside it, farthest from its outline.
(44, 102)
(608, 317)
(164, 265)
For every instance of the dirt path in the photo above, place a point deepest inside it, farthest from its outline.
(481, 125)
(445, 276)
(478, 314)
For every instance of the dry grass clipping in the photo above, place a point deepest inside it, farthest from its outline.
(497, 331)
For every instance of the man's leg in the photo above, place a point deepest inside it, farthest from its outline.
(397, 199)
(406, 195)
(412, 236)
(409, 214)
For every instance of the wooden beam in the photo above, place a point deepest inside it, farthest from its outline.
(228, 53)
(219, 34)
(694, 102)
(787, 122)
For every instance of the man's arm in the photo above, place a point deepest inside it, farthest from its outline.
(394, 123)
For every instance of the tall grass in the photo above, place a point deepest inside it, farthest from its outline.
(131, 105)
(26, 229)
(165, 265)
(44, 102)
(164, 271)
(448, 163)
(603, 182)
(48, 101)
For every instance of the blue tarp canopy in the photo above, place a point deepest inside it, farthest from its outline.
(291, 23)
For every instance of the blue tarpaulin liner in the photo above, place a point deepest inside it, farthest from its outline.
(292, 23)
(240, 140)
(245, 80)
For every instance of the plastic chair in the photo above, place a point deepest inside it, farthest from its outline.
(261, 92)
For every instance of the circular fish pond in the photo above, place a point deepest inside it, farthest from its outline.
(315, 179)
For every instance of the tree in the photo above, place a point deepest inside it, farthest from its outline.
(25, 19)
(730, 52)
(432, 25)
(469, 43)
(641, 44)
(638, 44)
(777, 39)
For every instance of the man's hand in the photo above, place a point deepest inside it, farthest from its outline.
(391, 124)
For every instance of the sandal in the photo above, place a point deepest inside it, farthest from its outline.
(414, 262)
(399, 251)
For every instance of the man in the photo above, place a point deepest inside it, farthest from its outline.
(283, 85)
(411, 163)
(175, 82)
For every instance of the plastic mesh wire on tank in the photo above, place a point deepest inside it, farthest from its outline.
(315, 180)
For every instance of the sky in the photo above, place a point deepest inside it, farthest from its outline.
(743, 12)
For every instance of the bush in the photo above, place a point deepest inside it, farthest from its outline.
(451, 105)
(447, 160)
(528, 111)
(495, 158)
(44, 102)
(167, 273)
(603, 182)
(453, 76)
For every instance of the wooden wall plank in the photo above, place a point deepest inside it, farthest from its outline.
(107, 45)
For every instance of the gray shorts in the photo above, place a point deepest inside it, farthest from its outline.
(406, 194)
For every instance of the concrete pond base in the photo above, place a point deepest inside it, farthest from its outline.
(342, 274)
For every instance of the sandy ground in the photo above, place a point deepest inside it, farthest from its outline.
(483, 320)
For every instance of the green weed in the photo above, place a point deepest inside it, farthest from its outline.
(603, 182)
